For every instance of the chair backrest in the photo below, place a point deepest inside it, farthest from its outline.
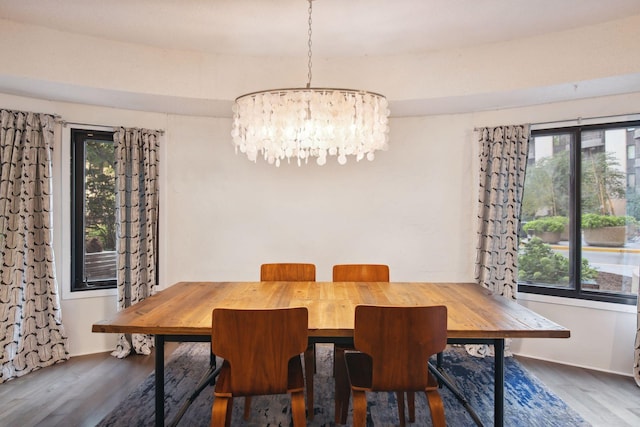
(291, 272)
(400, 341)
(360, 273)
(258, 345)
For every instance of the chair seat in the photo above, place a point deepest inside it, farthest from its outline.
(295, 380)
(360, 372)
(296, 376)
(359, 369)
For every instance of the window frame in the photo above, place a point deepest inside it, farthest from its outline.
(575, 243)
(77, 180)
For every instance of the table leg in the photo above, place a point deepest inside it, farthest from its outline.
(444, 380)
(343, 388)
(498, 378)
(499, 383)
(159, 380)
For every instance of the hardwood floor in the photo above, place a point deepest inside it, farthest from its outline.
(83, 390)
(79, 392)
(601, 398)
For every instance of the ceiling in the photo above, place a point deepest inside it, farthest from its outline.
(340, 28)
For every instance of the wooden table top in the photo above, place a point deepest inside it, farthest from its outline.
(185, 308)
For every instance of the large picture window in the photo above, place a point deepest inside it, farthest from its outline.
(580, 218)
(93, 239)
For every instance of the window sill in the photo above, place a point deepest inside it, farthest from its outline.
(574, 302)
(94, 293)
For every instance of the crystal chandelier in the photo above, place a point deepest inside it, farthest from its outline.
(300, 123)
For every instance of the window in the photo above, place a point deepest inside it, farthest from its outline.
(580, 229)
(93, 235)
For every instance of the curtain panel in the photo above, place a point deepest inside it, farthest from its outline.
(31, 331)
(137, 203)
(503, 161)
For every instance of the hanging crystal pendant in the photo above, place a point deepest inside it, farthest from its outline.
(310, 122)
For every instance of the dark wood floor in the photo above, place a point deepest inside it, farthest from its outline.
(83, 390)
(79, 392)
(602, 398)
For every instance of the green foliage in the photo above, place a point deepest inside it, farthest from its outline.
(100, 198)
(538, 263)
(552, 224)
(592, 220)
(546, 187)
(587, 273)
(633, 205)
(602, 180)
(105, 233)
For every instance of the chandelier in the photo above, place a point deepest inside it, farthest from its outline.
(300, 123)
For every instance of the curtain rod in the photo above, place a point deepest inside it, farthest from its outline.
(578, 120)
(112, 128)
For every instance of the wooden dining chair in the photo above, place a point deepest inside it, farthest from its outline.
(259, 360)
(361, 273)
(393, 346)
(352, 273)
(290, 272)
(293, 272)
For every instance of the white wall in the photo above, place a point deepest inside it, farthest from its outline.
(226, 215)
(413, 208)
(602, 334)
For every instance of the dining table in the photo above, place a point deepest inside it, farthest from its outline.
(475, 315)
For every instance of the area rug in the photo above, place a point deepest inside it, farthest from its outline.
(527, 401)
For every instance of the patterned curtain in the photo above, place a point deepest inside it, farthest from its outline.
(31, 332)
(137, 225)
(503, 161)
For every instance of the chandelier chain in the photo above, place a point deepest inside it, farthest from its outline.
(309, 44)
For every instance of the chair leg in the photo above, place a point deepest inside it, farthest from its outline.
(343, 389)
(229, 412)
(297, 409)
(221, 411)
(359, 408)
(309, 369)
(436, 407)
(411, 403)
(400, 399)
(247, 408)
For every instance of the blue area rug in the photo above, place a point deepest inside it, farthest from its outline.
(527, 401)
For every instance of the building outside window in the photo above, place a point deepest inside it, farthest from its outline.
(580, 219)
(93, 239)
